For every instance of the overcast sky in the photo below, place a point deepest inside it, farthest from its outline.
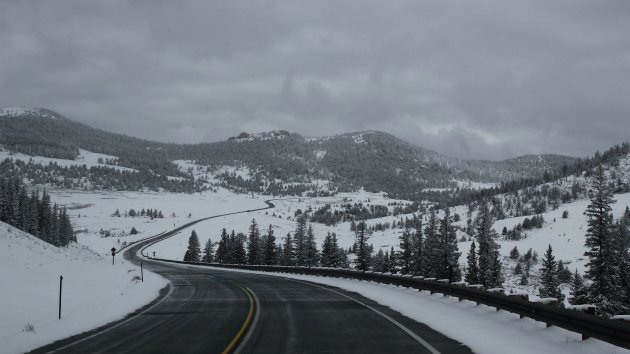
(470, 79)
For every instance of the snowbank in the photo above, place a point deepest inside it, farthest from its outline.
(94, 292)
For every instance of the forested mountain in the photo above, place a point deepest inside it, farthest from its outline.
(278, 161)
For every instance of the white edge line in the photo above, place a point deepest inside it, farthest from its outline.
(398, 324)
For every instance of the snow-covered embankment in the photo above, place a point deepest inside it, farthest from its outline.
(94, 292)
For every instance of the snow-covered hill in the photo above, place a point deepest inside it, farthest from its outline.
(374, 160)
(94, 291)
(16, 112)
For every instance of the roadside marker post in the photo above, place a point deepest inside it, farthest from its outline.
(141, 273)
(60, 286)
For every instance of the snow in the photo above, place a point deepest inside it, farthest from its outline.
(87, 158)
(359, 138)
(13, 112)
(474, 185)
(95, 292)
(482, 328)
(566, 236)
(319, 154)
(92, 211)
(284, 222)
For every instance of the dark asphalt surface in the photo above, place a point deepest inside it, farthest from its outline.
(204, 310)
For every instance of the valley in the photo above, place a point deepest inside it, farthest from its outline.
(116, 209)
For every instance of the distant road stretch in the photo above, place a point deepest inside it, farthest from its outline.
(208, 310)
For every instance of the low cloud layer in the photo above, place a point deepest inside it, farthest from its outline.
(482, 79)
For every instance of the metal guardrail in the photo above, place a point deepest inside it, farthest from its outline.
(614, 332)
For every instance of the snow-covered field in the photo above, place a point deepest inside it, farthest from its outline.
(482, 328)
(29, 263)
(95, 292)
(92, 212)
(566, 236)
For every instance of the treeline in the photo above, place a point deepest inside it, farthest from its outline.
(429, 251)
(260, 183)
(372, 160)
(433, 252)
(609, 157)
(297, 249)
(99, 177)
(348, 212)
(34, 214)
(45, 133)
(150, 213)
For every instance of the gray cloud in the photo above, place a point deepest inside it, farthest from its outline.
(482, 79)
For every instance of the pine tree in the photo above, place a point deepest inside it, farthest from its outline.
(579, 291)
(194, 249)
(488, 254)
(549, 284)
(363, 257)
(378, 262)
(387, 265)
(187, 256)
(208, 252)
(331, 253)
(312, 254)
(603, 257)
(621, 244)
(269, 248)
(472, 269)
(299, 241)
(288, 255)
(432, 247)
(625, 219)
(392, 261)
(449, 268)
(417, 261)
(405, 255)
(238, 255)
(253, 247)
(222, 249)
(514, 253)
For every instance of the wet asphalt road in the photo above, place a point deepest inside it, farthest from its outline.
(210, 310)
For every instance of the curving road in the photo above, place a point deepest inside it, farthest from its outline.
(208, 310)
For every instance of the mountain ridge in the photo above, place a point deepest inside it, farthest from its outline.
(373, 160)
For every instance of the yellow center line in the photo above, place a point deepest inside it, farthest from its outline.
(248, 319)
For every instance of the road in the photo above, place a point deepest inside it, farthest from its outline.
(209, 310)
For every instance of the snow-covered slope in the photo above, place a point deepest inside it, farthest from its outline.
(94, 291)
(16, 112)
(85, 158)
